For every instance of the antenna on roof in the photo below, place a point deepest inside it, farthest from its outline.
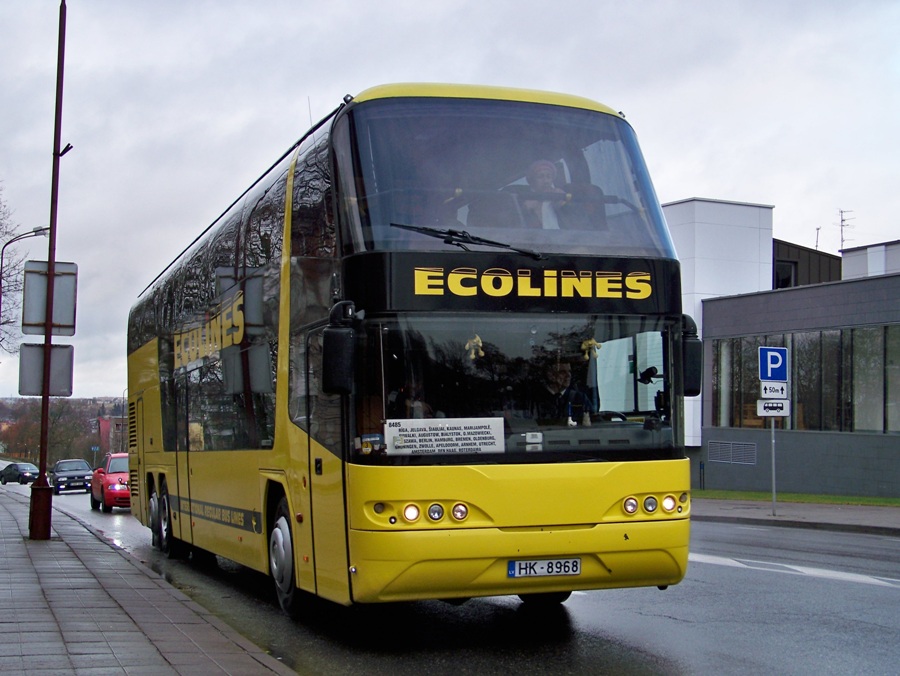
(845, 224)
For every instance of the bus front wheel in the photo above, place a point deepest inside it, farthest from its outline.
(281, 560)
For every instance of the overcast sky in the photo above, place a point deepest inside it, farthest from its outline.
(174, 107)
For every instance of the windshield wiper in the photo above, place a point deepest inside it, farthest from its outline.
(461, 238)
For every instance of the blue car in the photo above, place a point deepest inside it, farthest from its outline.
(70, 475)
(18, 472)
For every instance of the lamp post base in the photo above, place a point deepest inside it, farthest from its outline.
(39, 516)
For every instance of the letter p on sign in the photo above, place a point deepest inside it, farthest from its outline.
(773, 363)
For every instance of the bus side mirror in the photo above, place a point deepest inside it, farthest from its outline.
(692, 351)
(339, 350)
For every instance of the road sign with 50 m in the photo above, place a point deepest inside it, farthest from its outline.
(773, 389)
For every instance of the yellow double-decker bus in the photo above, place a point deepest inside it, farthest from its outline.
(436, 351)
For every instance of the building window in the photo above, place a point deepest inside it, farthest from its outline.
(785, 274)
(892, 373)
(831, 380)
(841, 380)
(806, 388)
(868, 380)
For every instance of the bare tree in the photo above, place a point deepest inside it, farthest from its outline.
(11, 282)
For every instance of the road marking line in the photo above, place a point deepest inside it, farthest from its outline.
(794, 570)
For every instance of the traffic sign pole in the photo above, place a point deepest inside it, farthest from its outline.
(772, 428)
(773, 376)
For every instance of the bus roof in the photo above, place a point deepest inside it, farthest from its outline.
(430, 89)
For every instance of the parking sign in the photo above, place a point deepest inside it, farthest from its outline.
(773, 363)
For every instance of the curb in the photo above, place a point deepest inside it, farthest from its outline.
(808, 525)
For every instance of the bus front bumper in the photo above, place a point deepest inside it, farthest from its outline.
(445, 564)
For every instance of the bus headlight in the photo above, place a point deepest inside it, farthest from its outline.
(435, 512)
(650, 504)
(411, 513)
(459, 511)
(630, 505)
(669, 503)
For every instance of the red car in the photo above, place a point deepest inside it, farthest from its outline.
(109, 483)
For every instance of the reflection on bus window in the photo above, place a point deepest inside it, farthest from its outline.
(559, 180)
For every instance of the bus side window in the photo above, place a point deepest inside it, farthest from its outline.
(323, 410)
(298, 376)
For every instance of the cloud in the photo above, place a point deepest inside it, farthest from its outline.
(174, 108)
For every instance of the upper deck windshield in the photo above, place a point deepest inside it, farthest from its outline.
(471, 388)
(532, 176)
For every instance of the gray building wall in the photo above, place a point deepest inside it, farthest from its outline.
(857, 302)
(828, 463)
(839, 463)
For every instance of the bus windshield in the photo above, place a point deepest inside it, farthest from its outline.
(531, 176)
(549, 387)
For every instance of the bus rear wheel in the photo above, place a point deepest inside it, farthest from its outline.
(168, 543)
(153, 518)
(281, 561)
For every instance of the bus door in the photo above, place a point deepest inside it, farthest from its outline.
(326, 472)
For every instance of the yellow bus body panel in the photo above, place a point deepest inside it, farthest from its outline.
(516, 512)
(428, 89)
(145, 447)
(224, 506)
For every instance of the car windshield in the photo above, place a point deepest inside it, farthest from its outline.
(118, 465)
(73, 466)
(530, 176)
(28, 468)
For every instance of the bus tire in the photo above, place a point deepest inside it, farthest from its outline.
(168, 543)
(545, 599)
(281, 560)
(153, 518)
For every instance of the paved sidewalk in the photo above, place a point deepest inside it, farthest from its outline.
(75, 604)
(847, 518)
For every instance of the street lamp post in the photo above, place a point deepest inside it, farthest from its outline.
(36, 232)
(41, 492)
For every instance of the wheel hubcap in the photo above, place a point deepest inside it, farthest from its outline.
(281, 554)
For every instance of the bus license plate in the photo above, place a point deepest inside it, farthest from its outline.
(543, 567)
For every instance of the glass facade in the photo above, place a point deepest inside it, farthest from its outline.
(845, 380)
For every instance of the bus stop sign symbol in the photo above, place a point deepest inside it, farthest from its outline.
(773, 363)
